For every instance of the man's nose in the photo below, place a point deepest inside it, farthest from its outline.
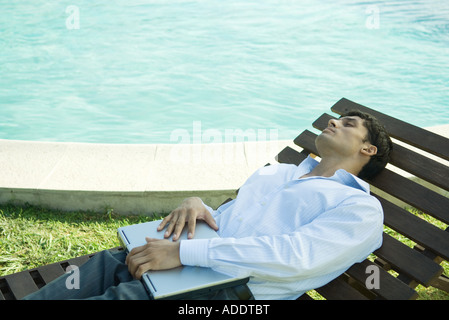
(333, 123)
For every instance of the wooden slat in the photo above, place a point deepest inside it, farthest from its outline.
(390, 288)
(5, 291)
(442, 283)
(413, 135)
(78, 261)
(50, 272)
(398, 186)
(305, 297)
(408, 261)
(291, 156)
(224, 202)
(420, 166)
(413, 193)
(306, 140)
(408, 160)
(416, 229)
(21, 284)
(338, 289)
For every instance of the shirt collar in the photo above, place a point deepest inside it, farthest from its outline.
(340, 175)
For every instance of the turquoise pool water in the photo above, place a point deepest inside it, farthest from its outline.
(140, 71)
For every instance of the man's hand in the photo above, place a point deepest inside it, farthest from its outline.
(189, 211)
(155, 255)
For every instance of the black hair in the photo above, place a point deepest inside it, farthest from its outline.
(377, 136)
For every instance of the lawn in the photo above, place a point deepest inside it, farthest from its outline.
(32, 236)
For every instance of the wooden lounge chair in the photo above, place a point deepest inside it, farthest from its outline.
(412, 266)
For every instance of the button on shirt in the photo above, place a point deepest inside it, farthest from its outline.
(291, 235)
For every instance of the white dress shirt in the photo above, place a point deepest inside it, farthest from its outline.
(291, 235)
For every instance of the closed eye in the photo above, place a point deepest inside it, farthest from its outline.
(349, 122)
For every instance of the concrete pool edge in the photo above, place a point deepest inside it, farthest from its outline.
(130, 179)
(124, 203)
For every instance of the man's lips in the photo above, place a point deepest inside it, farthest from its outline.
(329, 129)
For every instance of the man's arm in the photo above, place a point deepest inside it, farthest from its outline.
(332, 242)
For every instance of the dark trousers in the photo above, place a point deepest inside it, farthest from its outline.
(105, 277)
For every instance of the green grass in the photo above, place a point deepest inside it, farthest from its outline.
(32, 236)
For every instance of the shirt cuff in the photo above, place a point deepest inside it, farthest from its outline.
(194, 252)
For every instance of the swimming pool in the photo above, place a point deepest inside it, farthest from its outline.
(143, 71)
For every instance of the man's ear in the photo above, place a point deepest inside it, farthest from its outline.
(369, 150)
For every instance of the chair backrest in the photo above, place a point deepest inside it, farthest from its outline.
(422, 246)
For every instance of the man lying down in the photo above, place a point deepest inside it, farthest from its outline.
(290, 229)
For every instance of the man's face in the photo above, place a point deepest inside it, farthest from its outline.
(345, 136)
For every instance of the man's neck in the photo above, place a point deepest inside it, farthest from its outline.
(328, 166)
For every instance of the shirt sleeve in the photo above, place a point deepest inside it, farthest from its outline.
(333, 241)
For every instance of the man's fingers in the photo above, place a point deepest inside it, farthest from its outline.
(179, 225)
(134, 252)
(141, 270)
(137, 260)
(164, 221)
(139, 267)
(211, 222)
(191, 227)
(173, 220)
(188, 212)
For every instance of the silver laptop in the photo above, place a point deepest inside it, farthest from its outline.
(179, 283)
